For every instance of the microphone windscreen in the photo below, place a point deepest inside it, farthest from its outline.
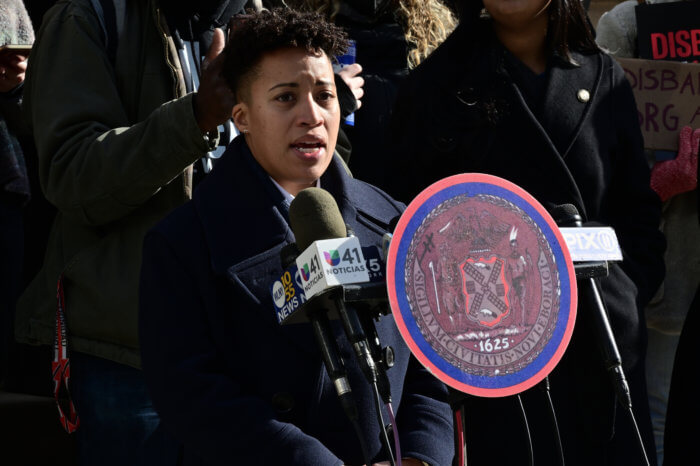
(565, 215)
(313, 216)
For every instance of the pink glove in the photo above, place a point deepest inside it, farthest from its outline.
(679, 175)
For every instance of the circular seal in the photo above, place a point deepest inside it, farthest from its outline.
(481, 285)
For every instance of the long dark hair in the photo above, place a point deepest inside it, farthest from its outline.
(569, 27)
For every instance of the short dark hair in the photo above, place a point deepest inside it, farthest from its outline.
(260, 33)
(569, 27)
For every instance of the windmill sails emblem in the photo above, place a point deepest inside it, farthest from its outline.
(486, 290)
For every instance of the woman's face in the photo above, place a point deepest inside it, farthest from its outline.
(516, 13)
(290, 116)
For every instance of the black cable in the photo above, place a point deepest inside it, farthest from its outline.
(544, 386)
(527, 431)
(383, 433)
(639, 436)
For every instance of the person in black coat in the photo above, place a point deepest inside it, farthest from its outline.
(521, 91)
(233, 385)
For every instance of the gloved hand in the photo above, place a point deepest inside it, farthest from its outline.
(679, 175)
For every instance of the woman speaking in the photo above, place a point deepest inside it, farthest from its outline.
(520, 90)
(231, 384)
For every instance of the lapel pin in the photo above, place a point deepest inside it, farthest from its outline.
(583, 95)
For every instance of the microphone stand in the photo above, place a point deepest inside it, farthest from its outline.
(335, 368)
(373, 359)
(318, 308)
(590, 297)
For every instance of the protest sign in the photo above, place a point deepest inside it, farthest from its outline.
(669, 31)
(668, 98)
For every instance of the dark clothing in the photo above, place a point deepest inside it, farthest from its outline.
(14, 184)
(531, 85)
(680, 436)
(460, 111)
(382, 51)
(118, 425)
(233, 385)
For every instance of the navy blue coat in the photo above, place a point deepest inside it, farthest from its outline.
(227, 380)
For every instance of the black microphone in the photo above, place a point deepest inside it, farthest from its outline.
(314, 216)
(567, 215)
(304, 213)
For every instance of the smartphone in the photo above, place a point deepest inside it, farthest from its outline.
(342, 62)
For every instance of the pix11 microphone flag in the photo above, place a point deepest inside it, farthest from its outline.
(481, 285)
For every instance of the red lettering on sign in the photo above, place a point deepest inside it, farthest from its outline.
(671, 45)
(682, 43)
(659, 47)
(695, 34)
(682, 38)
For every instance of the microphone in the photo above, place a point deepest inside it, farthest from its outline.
(589, 293)
(567, 215)
(308, 218)
(332, 267)
(314, 217)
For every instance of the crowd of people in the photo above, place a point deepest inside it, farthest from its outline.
(166, 142)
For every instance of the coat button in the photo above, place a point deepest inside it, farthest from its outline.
(283, 402)
(583, 95)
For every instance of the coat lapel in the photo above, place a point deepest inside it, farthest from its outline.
(241, 211)
(568, 99)
(243, 219)
(571, 91)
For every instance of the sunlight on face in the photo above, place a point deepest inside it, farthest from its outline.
(291, 116)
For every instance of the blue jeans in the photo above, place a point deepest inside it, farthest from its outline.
(118, 425)
(661, 351)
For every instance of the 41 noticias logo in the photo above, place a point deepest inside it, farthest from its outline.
(350, 261)
(332, 262)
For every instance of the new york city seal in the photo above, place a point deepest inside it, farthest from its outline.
(485, 285)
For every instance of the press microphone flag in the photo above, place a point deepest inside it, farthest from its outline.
(329, 257)
(481, 285)
(331, 262)
(288, 293)
(592, 243)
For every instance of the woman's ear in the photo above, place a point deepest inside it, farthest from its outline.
(240, 117)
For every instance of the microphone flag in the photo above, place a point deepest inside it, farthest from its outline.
(331, 262)
(288, 291)
(481, 285)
